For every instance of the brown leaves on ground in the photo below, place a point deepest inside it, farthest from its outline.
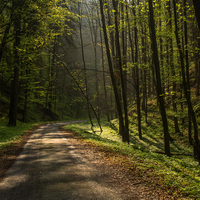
(118, 170)
(123, 173)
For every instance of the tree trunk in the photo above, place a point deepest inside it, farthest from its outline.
(114, 63)
(26, 98)
(15, 81)
(93, 31)
(137, 85)
(84, 66)
(158, 80)
(144, 57)
(187, 70)
(104, 78)
(187, 96)
(198, 79)
(171, 60)
(111, 67)
(125, 135)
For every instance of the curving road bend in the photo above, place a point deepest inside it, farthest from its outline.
(49, 167)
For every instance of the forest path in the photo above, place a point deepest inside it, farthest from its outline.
(57, 165)
(49, 167)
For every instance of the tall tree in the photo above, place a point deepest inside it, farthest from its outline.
(104, 76)
(118, 49)
(160, 94)
(186, 92)
(171, 61)
(117, 99)
(93, 25)
(187, 68)
(137, 82)
(84, 64)
(17, 4)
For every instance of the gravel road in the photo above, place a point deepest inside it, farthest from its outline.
(49, 167)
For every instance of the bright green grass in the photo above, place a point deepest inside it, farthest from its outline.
(11, 134)
(179, 171)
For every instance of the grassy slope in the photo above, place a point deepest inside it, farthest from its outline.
(8, 135)
(179, 171)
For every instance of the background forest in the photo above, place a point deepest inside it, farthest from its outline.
(126, 60)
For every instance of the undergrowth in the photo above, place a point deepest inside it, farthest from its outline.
(178, 171)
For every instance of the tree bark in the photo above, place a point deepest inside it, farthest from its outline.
(15, 81)
(111, 67)
(93, 31)
(160, 95)
(104, 78)
(187, 96)
(125, 135)
(171, 61)
(84, 66)
(187, 70)
(137, 85)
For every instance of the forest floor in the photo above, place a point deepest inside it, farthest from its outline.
(128, 184)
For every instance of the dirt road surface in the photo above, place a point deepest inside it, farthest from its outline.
(49, 168)
(54, 166)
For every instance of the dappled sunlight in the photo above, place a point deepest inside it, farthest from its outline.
(50, 167)
(178, 170)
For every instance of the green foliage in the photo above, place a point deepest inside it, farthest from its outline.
(42, 23)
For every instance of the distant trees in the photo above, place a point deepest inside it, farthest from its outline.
(27, 30)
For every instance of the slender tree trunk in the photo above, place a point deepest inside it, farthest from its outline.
(15, 81)
(137, 85)
(126, 131)
(85, 71)
(187, 70)
(93, 31)
(124, 48)
(111, 103)
(197, 64)
(131, 45)
(114, 60)
(161, 48)
(111, 68)
(53, 77)
(104, 78)
(144, 56)
(63, 92)
(26, 98)
(158, 80)
(171, 61)
(124, 65)
(198, 79)
(187, 96)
